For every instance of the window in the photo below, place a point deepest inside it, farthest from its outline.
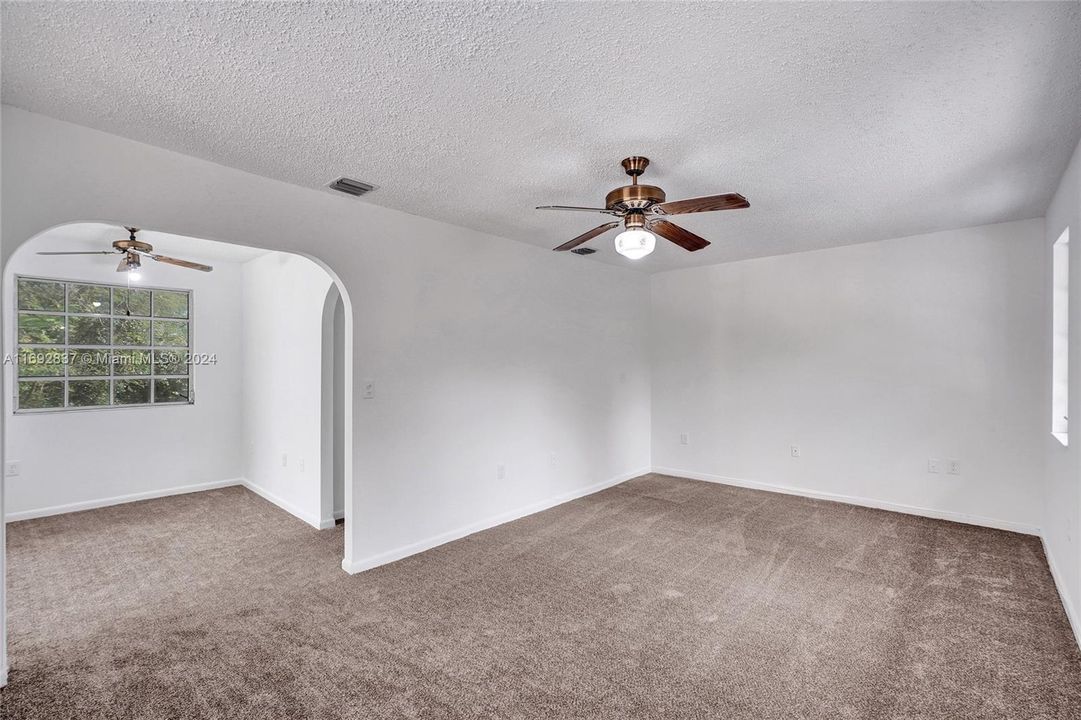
(88, 345)
(1060, 337)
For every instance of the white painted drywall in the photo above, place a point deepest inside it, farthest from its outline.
(872, 359)
(3, 523)
(1062, 514)
(484, 351)
(332, 470)
(282, 308)
(72, 460)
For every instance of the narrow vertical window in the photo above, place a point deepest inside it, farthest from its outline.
(1060, 337)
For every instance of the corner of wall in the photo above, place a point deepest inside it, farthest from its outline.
(1063, 591)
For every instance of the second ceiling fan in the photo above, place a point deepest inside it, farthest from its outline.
(133, 250)
(642, 210)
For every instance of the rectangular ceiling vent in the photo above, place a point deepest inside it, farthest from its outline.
(348, 186)
(583, 251)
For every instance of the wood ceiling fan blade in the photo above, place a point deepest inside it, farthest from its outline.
(600, 230)
(709, 203)
(684, 238)
(181, 263)
(81, 252)
(577, 209)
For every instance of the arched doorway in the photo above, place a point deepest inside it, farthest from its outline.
(104, 434)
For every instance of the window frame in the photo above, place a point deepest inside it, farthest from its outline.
(111, 348)
(1060, 338)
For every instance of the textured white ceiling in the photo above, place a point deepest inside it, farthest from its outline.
(841, 123)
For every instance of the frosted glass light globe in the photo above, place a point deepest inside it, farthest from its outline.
(635, 244)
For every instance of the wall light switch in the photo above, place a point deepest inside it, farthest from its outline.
(684, 439)
(368, 390)
(13, 469)
(300, 464)
(934, 465)
(501, 472)
(795, 451)
(285, 460)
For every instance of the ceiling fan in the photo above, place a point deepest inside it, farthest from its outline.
(642, 209)
(133, 251)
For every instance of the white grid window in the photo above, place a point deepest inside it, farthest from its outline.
(89, 345)
(1060, 337)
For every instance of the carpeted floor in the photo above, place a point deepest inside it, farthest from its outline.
(659, 598)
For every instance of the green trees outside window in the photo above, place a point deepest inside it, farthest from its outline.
(84, 345)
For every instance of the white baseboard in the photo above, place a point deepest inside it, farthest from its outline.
(1063, 593)
(119, 499)
(285, 505)
(405, 551)
(3, 676)
(856, 500)
(328, 523)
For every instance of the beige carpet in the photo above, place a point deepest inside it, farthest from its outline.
(657, 598)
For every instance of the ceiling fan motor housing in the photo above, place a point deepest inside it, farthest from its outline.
(634, 196)
(125, 245)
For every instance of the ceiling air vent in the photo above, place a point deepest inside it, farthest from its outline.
(351, 187)
(583, 251)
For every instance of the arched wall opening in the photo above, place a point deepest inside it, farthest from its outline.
(259, 409)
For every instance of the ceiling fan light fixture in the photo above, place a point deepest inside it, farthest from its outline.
(635, 244)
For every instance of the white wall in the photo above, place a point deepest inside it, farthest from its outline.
(334, 402)
(1062, 516)
(483, 351)
(3, 522)
(872, 358)
(69, 459)
(283, 298)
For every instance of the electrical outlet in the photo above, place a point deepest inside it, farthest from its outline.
(684, 439)
(553, 459)
(934, 465)
(368, 390)
(285, 460)
(795, 451)
(953, 467)
(501, 472)
(13, 469)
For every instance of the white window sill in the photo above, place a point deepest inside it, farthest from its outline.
(1062, 437)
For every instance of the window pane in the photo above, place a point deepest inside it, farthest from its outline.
(40, 362)
(171, 333)
(33, 395)
(170, 362)
(131, 302)
(47, 329)
(88, 299)
(131, 332)
(171, 390)
(132, 362)
(41, 295)
(88, 393)
(132, 392)
(105, 335)
(89, 361)
(170, 304)
(88, 331)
